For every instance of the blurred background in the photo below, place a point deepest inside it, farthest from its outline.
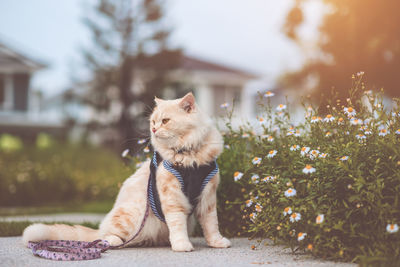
(78, 78)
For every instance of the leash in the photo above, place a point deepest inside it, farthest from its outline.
(70, 250)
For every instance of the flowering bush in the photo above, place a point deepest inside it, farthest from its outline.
(329, 185)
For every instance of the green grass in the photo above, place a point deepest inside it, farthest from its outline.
(89, 207)
(16, 228)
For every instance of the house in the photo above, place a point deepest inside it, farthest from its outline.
(19, 104)
(212, 84)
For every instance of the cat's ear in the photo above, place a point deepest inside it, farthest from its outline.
(157, 100)
(187, 103)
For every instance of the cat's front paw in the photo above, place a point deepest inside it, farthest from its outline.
(113, 240)
(221, 242)
(182, 246)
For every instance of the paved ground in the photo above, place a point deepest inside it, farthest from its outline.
(64, 217)
(13, 253)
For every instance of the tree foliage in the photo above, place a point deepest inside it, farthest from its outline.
(353, 36)
(128, 61)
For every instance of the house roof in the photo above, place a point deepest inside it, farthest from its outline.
(192, 63)
(11, 59)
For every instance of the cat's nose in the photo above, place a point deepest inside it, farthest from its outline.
(154, 130)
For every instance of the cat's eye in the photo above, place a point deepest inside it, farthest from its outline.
(164, 121)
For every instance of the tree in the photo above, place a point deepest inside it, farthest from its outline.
(355, 35)
(128, 62)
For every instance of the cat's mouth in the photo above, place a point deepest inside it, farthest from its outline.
(162, 136)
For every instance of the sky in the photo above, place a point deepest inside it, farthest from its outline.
(241, 34)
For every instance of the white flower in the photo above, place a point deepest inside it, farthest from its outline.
(297, 133)
(320, 218)
(329, 118)
(328, 134)
(315, 119)
(227, 146)
(245, 135)
(323, 155)
(295, 217)
(272, 153)
(258, 207)
(290, 133)
(270, 138)
(392, 228)
(146, 149)
(381, 126)
(291, 192)
(304, 150)
(253, 216)
(125, 153)
(355, 121)
(237, 176)
(361, 137)
(249, 202)
(314, 154)
(224, 105)
(351, 112)
(398, 131)
(383, 132)
(287, 210)
(308, 169)
(261, 121)
(268, 94)
(280, 107)
(141, 141)
(294, 147)
(301, 236)
(344, 158)
(367, 132)
(256, 160)
(255, 178)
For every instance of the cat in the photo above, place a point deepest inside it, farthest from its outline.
(181, 134)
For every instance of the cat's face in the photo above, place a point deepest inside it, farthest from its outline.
(173, 120)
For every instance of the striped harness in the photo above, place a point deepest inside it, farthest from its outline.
(192, 180)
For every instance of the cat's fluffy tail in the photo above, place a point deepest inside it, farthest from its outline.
(38, 232)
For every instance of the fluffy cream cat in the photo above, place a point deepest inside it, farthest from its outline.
(183, 135)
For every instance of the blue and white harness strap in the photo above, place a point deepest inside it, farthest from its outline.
(192, 180)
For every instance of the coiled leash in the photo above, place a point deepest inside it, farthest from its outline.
(70, 250)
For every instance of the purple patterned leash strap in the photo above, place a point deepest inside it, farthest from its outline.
(69, 250)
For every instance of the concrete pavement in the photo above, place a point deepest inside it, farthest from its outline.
(13, 253)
